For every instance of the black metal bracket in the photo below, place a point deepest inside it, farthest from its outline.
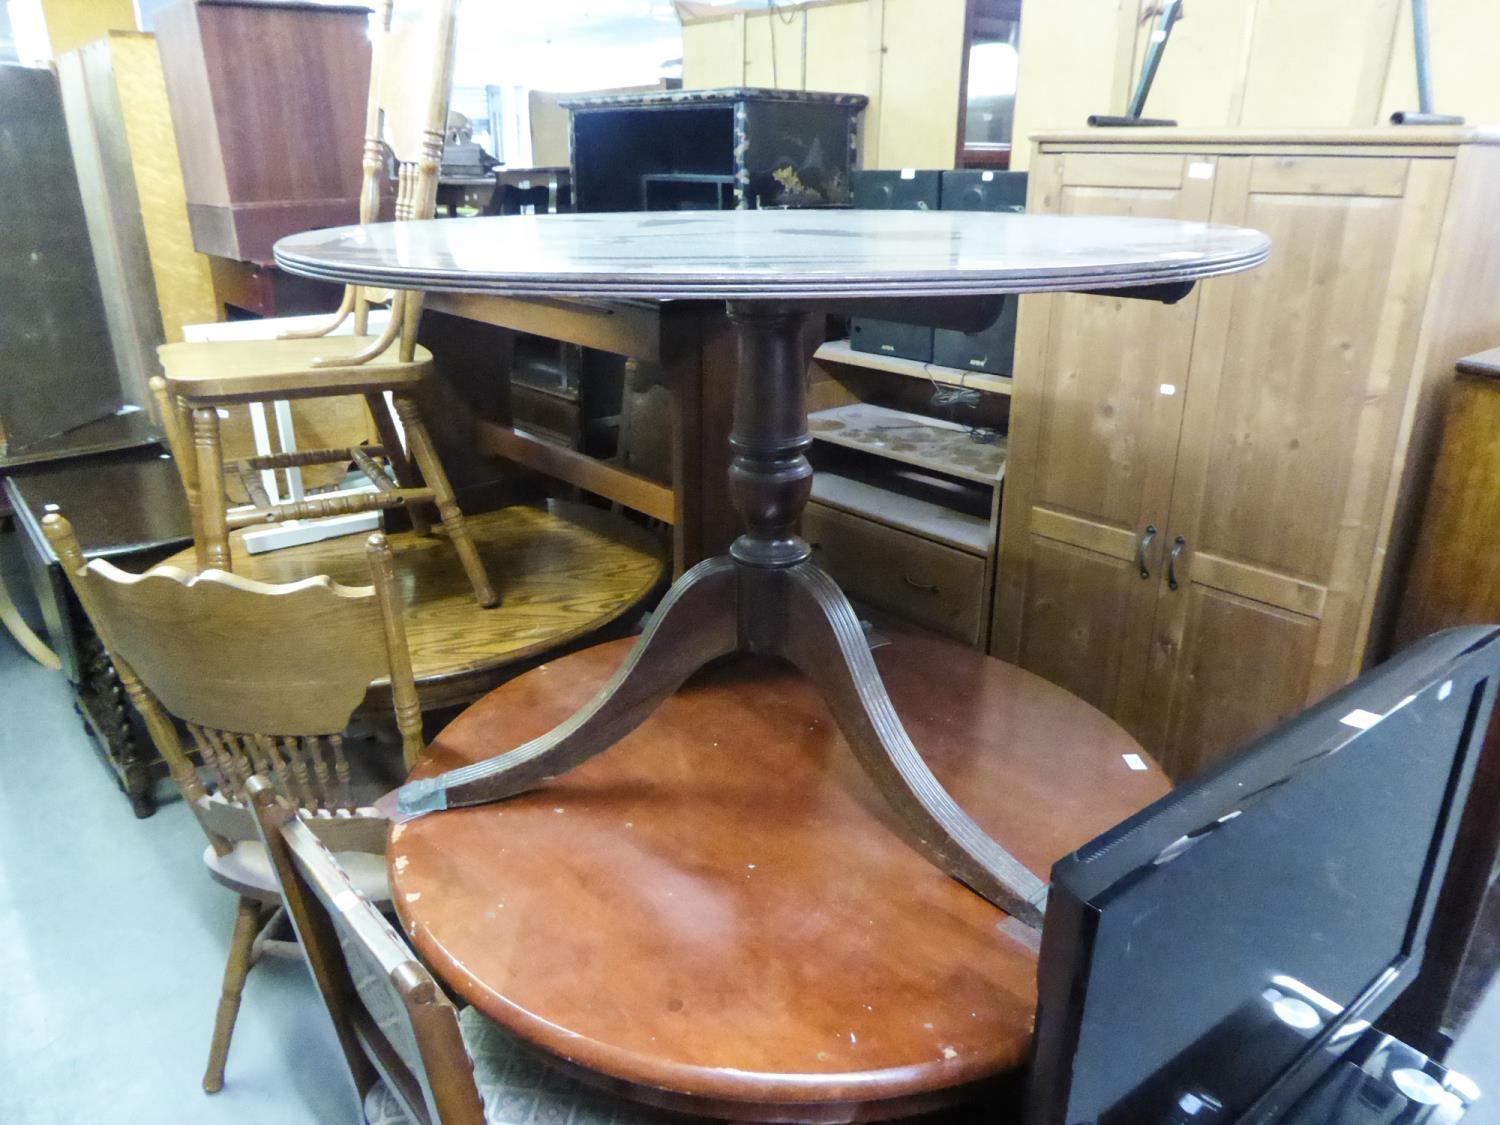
(1168, 293)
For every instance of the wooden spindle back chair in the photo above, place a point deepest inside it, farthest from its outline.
(265, 679)
(393, 1021)
(413, 1057)
(406, 116)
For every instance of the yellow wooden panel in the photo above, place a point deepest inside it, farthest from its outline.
(712, 54)
(1317, 62)
(72, 23)
(1075, 61)
(1132, 171)
(919, 92)
(839, 46)
(773, 50)
(1464, 34)
(1344, 175)
(184, 286)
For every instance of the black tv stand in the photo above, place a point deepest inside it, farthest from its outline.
(1380, 1080)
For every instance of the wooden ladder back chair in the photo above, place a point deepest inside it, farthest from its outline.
(393, 1021)
(265, 679)
(411, 72)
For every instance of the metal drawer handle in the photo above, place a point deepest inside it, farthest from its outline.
(1177, 545)
(1143, 547)
(915, 585)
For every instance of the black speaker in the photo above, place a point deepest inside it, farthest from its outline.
(903, 190)
(969, 189)
(994, 349)
(889, 337)
(890, 190)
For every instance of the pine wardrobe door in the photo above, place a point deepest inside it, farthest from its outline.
(1301, 375)
(1096, 408)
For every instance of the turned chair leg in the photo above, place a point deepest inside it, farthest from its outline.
(425, 455)
(177, 420)
(213, 507)
(241, 959)
(401, 469)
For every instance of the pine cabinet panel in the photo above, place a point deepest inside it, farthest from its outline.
(1242, 667)
(1086, 433)
(1297, 407)
(1070, 629)
(1206, 504)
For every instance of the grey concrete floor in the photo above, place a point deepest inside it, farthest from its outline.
(114, 940)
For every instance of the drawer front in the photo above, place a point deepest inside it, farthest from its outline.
(921, 581)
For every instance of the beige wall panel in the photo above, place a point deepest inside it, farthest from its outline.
(1316, 62)
(1200, 82)
(918, 124)
(780, 66)
(713, 54)
(840, 47)
(1464, 34)
(1075, 60)
(184, 286)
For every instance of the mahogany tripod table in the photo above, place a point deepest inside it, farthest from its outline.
(720, 915)
(774, 269)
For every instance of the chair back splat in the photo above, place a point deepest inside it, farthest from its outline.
(265, 679)
(411, 72)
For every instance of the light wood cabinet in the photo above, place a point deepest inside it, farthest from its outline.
(1207, 504)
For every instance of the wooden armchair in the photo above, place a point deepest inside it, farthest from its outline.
(407, 111)
(412, 1055)
(264, 678)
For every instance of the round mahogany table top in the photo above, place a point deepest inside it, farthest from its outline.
(777, 255)
(719, 913)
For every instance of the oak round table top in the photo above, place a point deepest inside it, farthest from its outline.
(773, 255)
(719, 914)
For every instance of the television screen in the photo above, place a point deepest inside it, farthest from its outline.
(1204, 960)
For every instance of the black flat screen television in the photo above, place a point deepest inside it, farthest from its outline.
(1210, 958)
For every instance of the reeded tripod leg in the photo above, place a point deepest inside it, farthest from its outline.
(694, 624)
(766, 598)
(823, 638)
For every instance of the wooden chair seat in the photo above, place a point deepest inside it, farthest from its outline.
(246, 869)
(411, 70)
(231, 371)
(517, 1088)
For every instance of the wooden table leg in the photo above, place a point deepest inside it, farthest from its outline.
(766, 597)
(824, 640)
(694, 624)
(16, 626)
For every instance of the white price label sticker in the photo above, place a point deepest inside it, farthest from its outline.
(908, 173)
(1134, 761)
(1200, 170)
